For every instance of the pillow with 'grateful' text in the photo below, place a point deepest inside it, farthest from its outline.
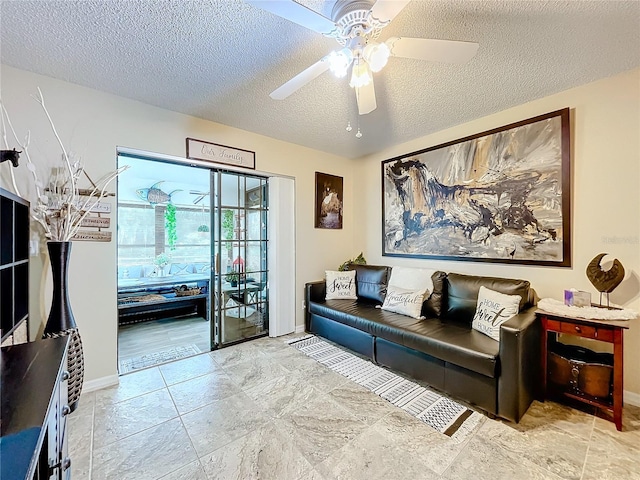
(493, 309)
(341, 285)
(404, 301)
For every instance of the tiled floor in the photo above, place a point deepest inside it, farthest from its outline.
(263, 410)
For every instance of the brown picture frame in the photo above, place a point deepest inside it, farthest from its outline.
(328, 201)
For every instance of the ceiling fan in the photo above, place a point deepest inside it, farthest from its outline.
(356, 25)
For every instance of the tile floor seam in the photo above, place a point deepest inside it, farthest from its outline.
(136, 396)
(93, 421)
(173, 401)
(200, 457)
(586, 455)
(203, 405)
(221, 446)
(190, 378)
(571, 434)
(526, 460)
(465, 444)
(372, 427)
(192, 445)
(138, 432)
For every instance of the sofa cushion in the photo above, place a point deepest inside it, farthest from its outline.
(412, 278)
(371, 281)
(449, 341)
(181, 269)
(434, 304)
(462, 293)
(201, 267)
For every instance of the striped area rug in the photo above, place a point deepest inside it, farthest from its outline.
(439, 412)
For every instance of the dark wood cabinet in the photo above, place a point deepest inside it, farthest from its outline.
(14, 268)
(33, 441)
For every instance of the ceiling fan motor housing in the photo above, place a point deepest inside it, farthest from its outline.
(355, 20)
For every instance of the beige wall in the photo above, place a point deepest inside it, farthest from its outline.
(92, 124)
(606, 195)
(606, 192)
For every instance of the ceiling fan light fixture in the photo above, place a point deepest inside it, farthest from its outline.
(360, 74)
(376, 55)
(340, 61)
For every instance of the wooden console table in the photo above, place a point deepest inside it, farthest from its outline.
(609, 331)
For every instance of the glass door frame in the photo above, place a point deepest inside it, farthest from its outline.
(227, 298)
(214, 278)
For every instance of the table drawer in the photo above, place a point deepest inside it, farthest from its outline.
(586, 331)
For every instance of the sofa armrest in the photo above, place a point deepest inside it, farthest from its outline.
(313, 292)
(519, 380)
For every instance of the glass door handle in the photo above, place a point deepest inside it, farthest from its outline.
(217, 263)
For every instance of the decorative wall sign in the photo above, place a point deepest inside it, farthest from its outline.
(91, 236)
(96, 222)
(328, 201)
(99, 220)
(212, 152)
(498, 196)
(99, 207)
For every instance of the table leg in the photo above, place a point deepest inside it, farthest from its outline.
(617, 378)
(543, 353)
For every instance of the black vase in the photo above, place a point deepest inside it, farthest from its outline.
(61, 321)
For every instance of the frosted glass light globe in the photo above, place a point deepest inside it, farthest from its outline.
(376, 55)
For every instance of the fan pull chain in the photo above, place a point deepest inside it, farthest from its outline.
(358, 133)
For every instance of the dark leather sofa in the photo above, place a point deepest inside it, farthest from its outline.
(443, 350)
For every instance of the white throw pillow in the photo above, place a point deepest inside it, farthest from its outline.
(404, 301)
(412, 278)
(341, 285)
(493, 309)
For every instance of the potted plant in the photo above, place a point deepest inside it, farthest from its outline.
(233, 278)
(359, 260)
(170, 225)
(161, 261)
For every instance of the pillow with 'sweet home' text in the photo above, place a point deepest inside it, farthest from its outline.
(493, 309)
(341, 285)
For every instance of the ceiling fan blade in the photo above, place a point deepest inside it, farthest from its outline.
(432, 50)
(386, 10)
(366, 97)
(296, 13)
(301, 79)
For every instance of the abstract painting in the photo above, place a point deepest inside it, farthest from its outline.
(498, 196)
(328, 201)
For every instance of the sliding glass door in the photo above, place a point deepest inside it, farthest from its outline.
(192, 260)
(240, 214)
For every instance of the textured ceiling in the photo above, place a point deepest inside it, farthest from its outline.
(219, 60)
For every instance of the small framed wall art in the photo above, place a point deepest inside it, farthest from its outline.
(328, 201)
(212, 152)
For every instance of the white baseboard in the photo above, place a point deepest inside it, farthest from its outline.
(632, 398)
(100, 383)
(299, 328)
